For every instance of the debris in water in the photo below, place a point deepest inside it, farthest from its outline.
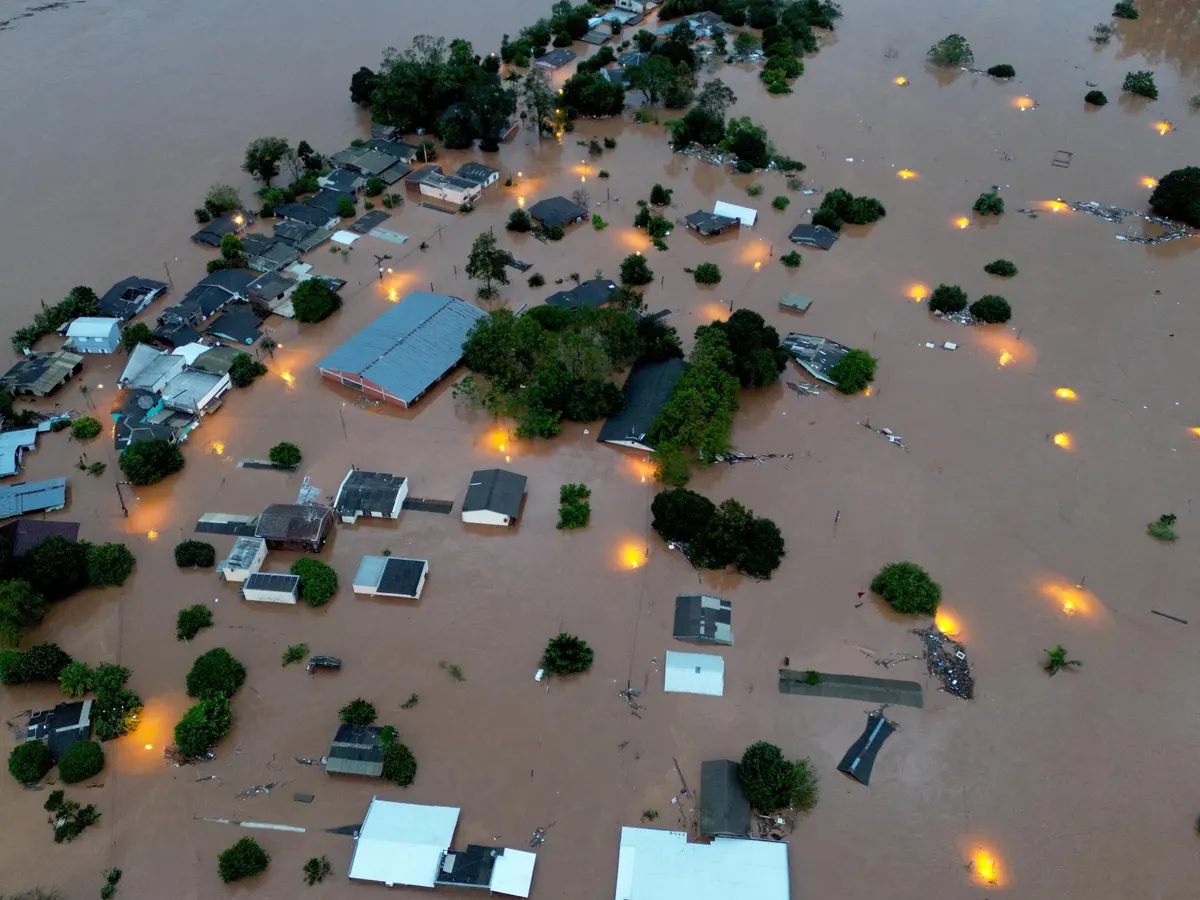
(947, 659)
(257, 789)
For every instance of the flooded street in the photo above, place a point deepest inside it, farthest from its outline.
(119, 116)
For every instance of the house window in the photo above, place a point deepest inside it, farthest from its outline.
(357, 385)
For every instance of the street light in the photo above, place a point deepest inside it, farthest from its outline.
(379, 260)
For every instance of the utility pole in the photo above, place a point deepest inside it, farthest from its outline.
(121, 498)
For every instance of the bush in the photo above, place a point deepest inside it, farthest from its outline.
(55, 568)
(772, 782)
(81, 761)
(374, 187)
(245, 369)
(853, 372)
(1002, 267)
(294, 653)
(952, 50)
(1141, 83)
(358, 712)
(1177, 196)
(109, 564)
(214, 673)
(553, 232)
(345, 207)
(285, 454)
(75, 679)
(707, 273)
(203, 725)
(1125, 10)
(314, 301)
(317, 870)
(149, 462)
(566, 654)
(536, 280)
(44, 662)
(1163, 529)
(848, 208)
(1095, 98)
(195, 555)
(908, 588)
(399, 764)
(243, 859)
(989, 204)
(1004, 70)
(781, 203)
(828, 218)
(754, 190)
(202, 215)
(574, 511)
(85, 429)
(660, 196)
(318, 582)
(222, 199)
(992, 309)
(519, 220)
(190, 620)
(136, 333)
(115, 712)
(791, 259)
(598, 222)
(947, 298)
(20, 606)
(635, 270)
(28, 762)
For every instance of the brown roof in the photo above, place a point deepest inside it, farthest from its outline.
(294, 522)
(25, 534)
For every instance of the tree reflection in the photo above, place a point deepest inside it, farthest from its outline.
(1166, 31)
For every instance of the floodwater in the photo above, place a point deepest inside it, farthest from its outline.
(118, 116)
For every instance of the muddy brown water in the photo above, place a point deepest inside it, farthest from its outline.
(117, 118)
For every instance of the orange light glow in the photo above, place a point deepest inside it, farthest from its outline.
(918, 292)
(1195, 431)
(149, 746)
(393, 295)
(757, 265)
(1005, 358)
(639, 468)
(1065, 394)
(1071, 600)
(583, 179)
(1063, 440)
(906, 174)
(867, 392)
(962, 222)
(288, 378)
(945, 623)
(152, 534)
(521, 202)
(985, 869)
(900, 80)
(1053, 205)
(713, 312)
(633, 556)
(1149, 183)
(217, 447)
(1163, 127)
(1024, 103)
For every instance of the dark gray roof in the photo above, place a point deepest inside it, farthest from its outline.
(401, 576)
(268, 252)
(373, 162)
(477, 172)
(239, 323)
(293, 231)
(66, 724)
(703, 619)
(394, 173)
(816, 355)
(419, 175)
(813, 236)
(368, 492)
(176, 334)
(130, 296)
(709, 223)
(294, 522)
(33, 496)
(590, 295)
(343, 179)
(24, 534)
(40, 374)
(308, 215)
(272, 581)
(270, 286)
(408, 348)
(557, 211)
(471, 867)
(724, 809)
(647, 388)
(555, 58)
(860, 758)
(495, 490)
(233, 280)
(327, 201)
(213, 231)
(356, 750)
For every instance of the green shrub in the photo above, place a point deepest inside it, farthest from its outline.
(908, 588)
(1125, 10)
(44, 662)
(952, 50)
(318, 582)
(399, 764)
(115, 712)
(1177, 196)
(849, 208)
(374, 187)
(1002, 267)
(215, 672)
(85, 429)
(519, 220)
(791, 259)
(707, 273)
(603, 173)
(853, 372)
(242, 860)
(203, 725)
(598, 222)
(660, 196)
(28, 762)
(554, 232)
(772, 782)
(149, 462)
(294, 653)
(314, 301)
(245, 368)
(781, 203)
(317, 870)
(358, 712)
(635, 270)
(1141, 83)
(754, 190)
(1004, 70)
(1095, 98)
(989, 204)
(992, 309)
(345, 207)
(190, 620)
(828, 218)
(566, 654)
(75, 679)
(81, 761)
(574, 511)
(536, 280)
(109, 564)
(947, 298)
(136, 333)
(195, 555)
(1163, 529)
(285, 454)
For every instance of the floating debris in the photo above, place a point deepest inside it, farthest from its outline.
(735, 457)
(892, 437)
(946, 658)
(1173, 231)
(257, 789)
(803, 389)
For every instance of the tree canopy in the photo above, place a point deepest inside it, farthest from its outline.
(358, 712)
(109, 564)
(203, 725)
(314, 301)
(148, 462)
(853, 372)
(55, 567)
(592, 95)
(772, 782)
(907, 588)
(242, 860)
(195, 554)
(245, 369)
(566, 654)
(718, 536)
(285, 454)
(488, 264)
(20, 607)
(214, 673)
(28, 762)
(263, 156)
(81, 761)
(1177, 196)
(318, 581)
(399, 764)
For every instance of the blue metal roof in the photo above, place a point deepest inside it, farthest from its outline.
(17, 499)
(410, 346)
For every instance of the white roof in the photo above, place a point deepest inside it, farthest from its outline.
(694, 673)
(513, 873)
(743, 214)
(12, 445)
(150, 368)
(92, 326)
(662, 865)
(344, 237)
(190, 352)
(402, 843)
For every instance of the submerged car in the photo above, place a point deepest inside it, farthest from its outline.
(323, 662)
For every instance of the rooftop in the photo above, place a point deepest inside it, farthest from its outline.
(272, 581)
(211, 232)
(709, 223)
(239, 323)
(394, 576)
(662, 865)
(557, 211)
(128, 297)
(555, 58)
(40, 374)
(367, 492)
(245, 551)
(356, 750)
(501, 869)
(813, 236)
(646, 390)
(66, 724)
(188, 388)
(724, 809)
(307, 215)
(495, 490)
(703, 618)
(590, 295)
(25, 534)
(694, 673)
(328, 200)
(13, 445)
(402, 843)
(293, 522)
(92, 327)
(816, 355)
(744, 214)
(478, 172)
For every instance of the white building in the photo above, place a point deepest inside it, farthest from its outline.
(391, 576)
(272, 587)
(92, 334)
(451, 188)
(375, 494)
(744, 214)
(246, 558)
(494, 497)
(638, 6)
(662, 865)
(170, 374)
(694, 673)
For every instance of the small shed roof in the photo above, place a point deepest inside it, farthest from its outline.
(724, 809)
(557, 211)
(33, 496)
(392, 575)
(245, 551)
(694, 673)
(272, 581)
(478, 172)
(495, 490)
(703, 618)
(363, 491)
(293, 522)
(41, 373)
(92, 327)
(813, 236)
(13, 444)
(356, 750)
(860, 758)
(743, 214)
(402, 843)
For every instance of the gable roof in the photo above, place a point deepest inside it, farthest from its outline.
(813, 236)
(555, 58)
(293, 232)
(238, 323)
(41, 373)
(25, 534)
(66, 724)
(744, 214)
(341, 179)
(327, 200)
(557, 211)
(293, 522)
(13, 445)
(590, 295)
(308, 215)
(478, 172)
(646, 390)
(356, 750)
(724, 809)
(402, 843)
(662, 865)
(130, 296)
(816, 355)
(495, 490)
(704, 619)
(368, 492)
(408, 348)
(212, 232)
(32, 496)
(709, 223)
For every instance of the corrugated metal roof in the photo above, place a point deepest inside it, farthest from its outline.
(12, 444)
(410, 346)
(92, 326)
(495, 490)
(272, 581)
(17, 499)
(663, 865)
(694, 673)
(402, 843)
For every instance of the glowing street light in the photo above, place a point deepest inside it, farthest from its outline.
(962, 222)
(1149, 183)
(900, 80)
(1065, 393)
(1063, 440)
(1163, 127)
(906, 174)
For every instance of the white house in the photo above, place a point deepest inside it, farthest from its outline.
(744, 214)
(93, 334)
(450, 188)
(391, 576)
(246, 558)
(402, 843)
(194, 391)
(661, 865)
(482, 175)
(271, 587)
(494, 497)
(638, 6)
(694, 673)
(375, 494)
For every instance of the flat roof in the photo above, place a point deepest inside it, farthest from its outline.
(272, 581)
(662, 865)
(700, 617)
(743, 214)
(391, 574)
(512, 873)
(495, 490)
(402, 843)
(363, 491)
(694, 673)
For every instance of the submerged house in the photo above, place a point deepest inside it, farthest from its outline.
(477, 172)
(209, 296)
(93, 334)
(68, 723)
(694, 673)
(169, 375)
(724, 809)
(494, 497)
(272, 587)
(356, 750)
(450, 188)
(703, 620)
(41, 374)
(211, 233)
(391, 576)
(663, 865)
(557, 211)
(815, 355)
(708, 224)
(32, 496)
(295, 526)
(128, 297)
(813, 236)
(13, 445)
(646, 391)
(246, 558)
(375, 494)
(859, 760)
(591, 294)
(25, 534)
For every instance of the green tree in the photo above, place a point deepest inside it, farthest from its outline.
(1004, 70)
(374, 187)
(242, 860)
(848, 208)
(989, 204)
(681, 515)
(362, 86)
(28, 762)
(109, 564)
(399, 764)
(853, 372)
(772, 782)
(44, 662)
(245, 369)
(540, 98)
(723, 541)
(707, 273)
(992, 309)
(316, 870)
(566, 654)
(1125, 9)
(947, 298)
(1056, 659)
(10, 666)
(574, 511)
(652, 77)
(592, 95)
(263, 156)
(148, 462)
(109, 677)
(488, 264)
(285, 454)
(318, 582)
(757, 358)
(1003, 267)
(748, 142)
(232, 246)
(115, 712)
(136, 333)
(190, 620)
(519, 220)
(345, 206)
(214, 673)
(762, 549)
(85, 428)
(358, 712)
(1177, 196)
(635, 270)
(490, 105)
(715, 98)
(55, 567)
(1163, 529)
(203, 725)
(314, 301)
(195, 554)
(222, 199)
(1142, 84)
(791, 259)
(81, 761)
(660, 196)
(1095, 98)
(952, 50)
(908, 588)
(75, 679)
